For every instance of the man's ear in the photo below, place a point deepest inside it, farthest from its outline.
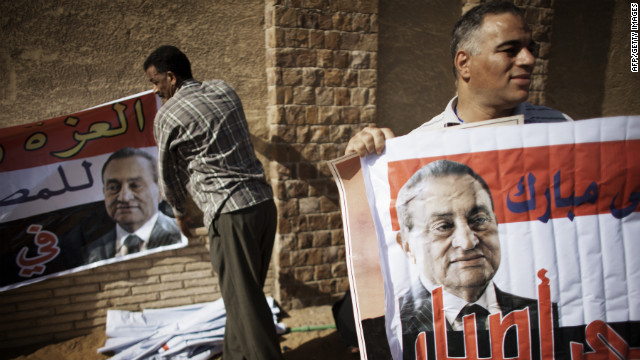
(462, 62)
(172, 77)
(405, 246)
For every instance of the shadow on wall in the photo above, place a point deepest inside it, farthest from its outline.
(578, 58)
(306, 163)
(295, 293)
(415, 79)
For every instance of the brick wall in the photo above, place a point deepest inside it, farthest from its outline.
(321, 76)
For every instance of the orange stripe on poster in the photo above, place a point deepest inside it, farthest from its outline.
(547, 182)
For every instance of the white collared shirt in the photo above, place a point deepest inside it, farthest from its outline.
(532, 114)
(144, 233)
(453, 304)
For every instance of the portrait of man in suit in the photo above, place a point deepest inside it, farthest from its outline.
(449, 231)
(131, 198)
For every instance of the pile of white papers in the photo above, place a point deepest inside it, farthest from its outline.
(186, 332)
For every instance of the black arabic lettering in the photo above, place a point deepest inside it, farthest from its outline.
(590, 195)
(559, 200)
(547, 214)
(45, 194)
(12, 199)
(97, 130)
(634, 199)
(526, 205)
(22, 195)
(86, 165)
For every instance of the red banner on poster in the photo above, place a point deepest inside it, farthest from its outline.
(541, 193)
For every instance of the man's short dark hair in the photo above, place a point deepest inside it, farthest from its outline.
(169, 58)
(471, 21)
(436, 169)
(127, 152)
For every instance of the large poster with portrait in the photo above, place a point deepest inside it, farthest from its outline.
(80, 190)
(500, 242)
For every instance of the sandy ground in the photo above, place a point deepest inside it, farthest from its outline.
(306, 345)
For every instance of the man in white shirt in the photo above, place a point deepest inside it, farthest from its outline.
(493, 59)
(131, 197)
(493, 56)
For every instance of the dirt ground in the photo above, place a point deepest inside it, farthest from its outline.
(304, 345)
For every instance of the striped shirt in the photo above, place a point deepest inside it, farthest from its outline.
(532, 114)
(205, 151)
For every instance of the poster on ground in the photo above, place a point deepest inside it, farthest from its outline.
(497, 242)
(53, 211)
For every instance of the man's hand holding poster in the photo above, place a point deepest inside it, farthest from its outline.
(80, 190)
(503, 242)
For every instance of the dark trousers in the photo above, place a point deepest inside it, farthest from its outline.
(241, 243)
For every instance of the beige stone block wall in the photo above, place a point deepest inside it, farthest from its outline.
(322, 79)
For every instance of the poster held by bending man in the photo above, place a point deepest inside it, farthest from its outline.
(132, 197)
(53, 206)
